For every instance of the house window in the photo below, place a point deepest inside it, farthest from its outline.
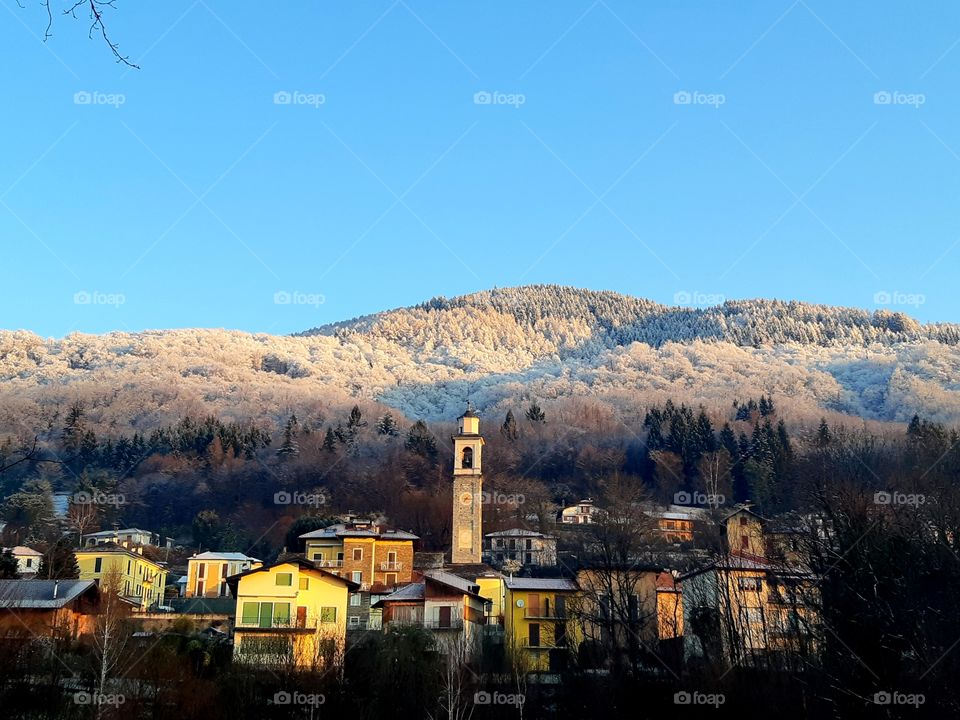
(98, 565)
(534, 638)
(354, 621)
(223, 571)
(318, 556)
(744, 542)
(529, 544)
(29, 562)
(355, 600)
(200, 588)
(391, 579)
(128, 567)
(266, 614)
(743, 522)
(357, 554)
(339, 558)
(201, 571)
(284, 579)
(357, 576)
(304, 583)
(754, 584)
(328, 614)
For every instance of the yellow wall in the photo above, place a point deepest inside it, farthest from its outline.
(745, 534)
(305, 631)
(138, 576)
(517, 622)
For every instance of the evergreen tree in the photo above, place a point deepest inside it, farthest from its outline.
(421, 441)
(509, 428)
(356, 420)
(329, 440)
(387, 425)
(9, 568)
(290, 447)
(824, 436)
(536, 414)
(59, 563)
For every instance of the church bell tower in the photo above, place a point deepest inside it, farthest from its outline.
(467, 490)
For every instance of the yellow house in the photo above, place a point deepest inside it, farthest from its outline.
(745, 606)
(138, 579)
(539, 631)
(290, 613)
(207, 572)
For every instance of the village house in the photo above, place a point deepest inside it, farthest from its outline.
(441, 602)
(580, 514)
(207, 573)
(55, 609)
(539, 629)
(746, 607)
(138, 580)
(28, 560)
(128, 538)
(290, 613)
(526, 547)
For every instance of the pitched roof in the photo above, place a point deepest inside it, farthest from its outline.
(454, 581)
(340, 531)
(303, 564)
(230, 556)
(408, 593)
(516, 532)
(24, 550)
(562, 584)
(38, 594)
(124, 531)
(114, 548)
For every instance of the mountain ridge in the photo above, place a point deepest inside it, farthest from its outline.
(500, 347)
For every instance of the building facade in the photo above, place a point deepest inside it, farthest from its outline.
(527, 547)
(207, 573)
(135, 578)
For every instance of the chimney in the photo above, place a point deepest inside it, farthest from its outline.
(56, 587)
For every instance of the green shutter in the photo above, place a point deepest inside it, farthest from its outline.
(281, 614)
(251, 613)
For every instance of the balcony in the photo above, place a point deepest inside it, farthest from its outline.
(543, 613)
(388, 566)
(293, 625)
(436, 625)
(328, 563)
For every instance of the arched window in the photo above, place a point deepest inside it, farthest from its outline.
(467, 459)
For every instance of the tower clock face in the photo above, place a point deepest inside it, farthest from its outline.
(466, 498)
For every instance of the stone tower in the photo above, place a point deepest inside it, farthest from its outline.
(467, 490)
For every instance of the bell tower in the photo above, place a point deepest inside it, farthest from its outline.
(467, 489)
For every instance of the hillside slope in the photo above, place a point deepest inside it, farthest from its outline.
(497, 346)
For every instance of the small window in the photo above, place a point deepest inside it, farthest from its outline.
(328, 614)
(318, 556)
(743, 522)
(355, 600)
(391, 579)
(128, 567)
(304, 583)
(354, 621)
(98, 565)
(754, 584)
(357, 576)
(357, 554)
(284, 579)
(29, 562)
(201, 570)
(744, 542)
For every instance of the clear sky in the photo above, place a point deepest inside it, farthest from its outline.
(272, 167)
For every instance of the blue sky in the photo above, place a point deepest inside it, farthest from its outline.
(684, 152)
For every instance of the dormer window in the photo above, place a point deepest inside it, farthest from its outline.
(467, 458)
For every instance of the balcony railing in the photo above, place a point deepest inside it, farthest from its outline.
(387, 565)
(329, 563)
(545, 613)
(452, 624)
(292, 624)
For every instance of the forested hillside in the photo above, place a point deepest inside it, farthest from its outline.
(497, 347)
